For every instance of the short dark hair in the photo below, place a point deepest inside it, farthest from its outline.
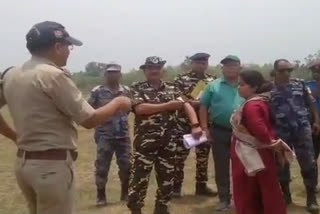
(38, 48)
(255, 79)
(276, 63)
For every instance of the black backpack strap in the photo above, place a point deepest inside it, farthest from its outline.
(4, 72)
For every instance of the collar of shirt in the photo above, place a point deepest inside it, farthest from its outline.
(42, 60)
(194, 74)
(162, 85)
(120, 89)
(223, 80)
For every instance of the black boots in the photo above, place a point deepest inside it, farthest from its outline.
(124, 190)
(161, 209)
(203, 190)
(136, 211)
(177, 191)
(101, 197)
(312, 204)
(286, 193)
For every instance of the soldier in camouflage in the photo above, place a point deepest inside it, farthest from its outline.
(290, 101)
(111, 137)
(186, 84)
(155, 106)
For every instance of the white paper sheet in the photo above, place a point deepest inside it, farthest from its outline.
(190, 142)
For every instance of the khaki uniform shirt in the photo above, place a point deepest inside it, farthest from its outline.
(44, 103)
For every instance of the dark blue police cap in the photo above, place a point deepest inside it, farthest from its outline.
(45, 33)
(200, 56)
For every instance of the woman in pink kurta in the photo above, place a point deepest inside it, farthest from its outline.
(256, 189)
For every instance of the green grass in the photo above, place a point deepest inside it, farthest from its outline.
(12, 201)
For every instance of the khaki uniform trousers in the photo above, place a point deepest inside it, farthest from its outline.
(47, 185)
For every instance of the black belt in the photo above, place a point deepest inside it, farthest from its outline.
(52, 154)
(218, 126)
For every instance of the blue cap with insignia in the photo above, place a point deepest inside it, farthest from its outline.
(200, 57)
(47, 33)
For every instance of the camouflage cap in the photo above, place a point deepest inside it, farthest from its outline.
(153, 61)
(113, 67)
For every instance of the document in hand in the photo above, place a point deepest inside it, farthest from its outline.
(198, 89)
(190, 142)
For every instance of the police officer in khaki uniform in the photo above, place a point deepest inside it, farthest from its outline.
(44, 104)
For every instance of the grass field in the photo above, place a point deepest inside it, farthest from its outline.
(12, 201)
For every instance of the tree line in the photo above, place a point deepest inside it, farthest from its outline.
(93, 74)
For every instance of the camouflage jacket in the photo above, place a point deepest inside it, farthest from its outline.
(186, 83)
(156, 126)
(289, 104)
(117, 126)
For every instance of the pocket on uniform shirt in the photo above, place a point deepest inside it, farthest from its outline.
(69, 164)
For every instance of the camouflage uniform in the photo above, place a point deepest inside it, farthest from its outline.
(186, 83)
(111, 137)
(289, 105)
(153, 145)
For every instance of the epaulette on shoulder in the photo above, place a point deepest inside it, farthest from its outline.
(66, 72)
(137, 84)
(96, 88)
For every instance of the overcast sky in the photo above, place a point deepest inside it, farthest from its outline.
(127, 31)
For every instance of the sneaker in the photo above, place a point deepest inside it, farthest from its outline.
(222, 206)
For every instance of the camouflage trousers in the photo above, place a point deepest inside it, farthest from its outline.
(202, 156)
(105, 150)
(151, 152)
(301, 140)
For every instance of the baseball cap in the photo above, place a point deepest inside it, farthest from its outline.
(48, 32)
(229, 58)
(315, 64)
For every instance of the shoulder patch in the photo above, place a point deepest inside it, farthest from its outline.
(95, 88)
(126, 87)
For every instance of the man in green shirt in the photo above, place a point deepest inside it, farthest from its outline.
(219, 100)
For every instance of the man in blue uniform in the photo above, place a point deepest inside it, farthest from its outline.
(290, 101)
(113, 136)
(314, 86)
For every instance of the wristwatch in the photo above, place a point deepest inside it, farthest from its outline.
(195, 125)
